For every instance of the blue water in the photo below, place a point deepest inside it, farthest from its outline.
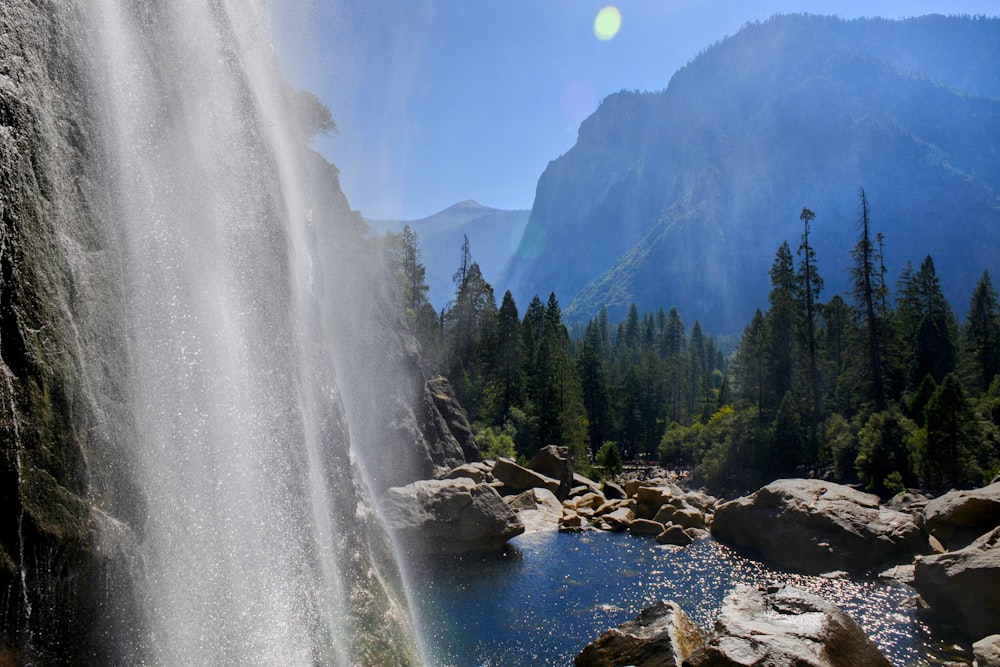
(553, 593)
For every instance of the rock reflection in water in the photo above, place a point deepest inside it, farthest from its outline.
(552, 593)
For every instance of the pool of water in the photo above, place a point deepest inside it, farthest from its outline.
(553, 593)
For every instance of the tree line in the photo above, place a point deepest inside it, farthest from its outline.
(883, 388)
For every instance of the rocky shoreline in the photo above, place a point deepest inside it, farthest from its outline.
(947, 548)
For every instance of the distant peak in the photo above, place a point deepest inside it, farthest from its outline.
(468, 203)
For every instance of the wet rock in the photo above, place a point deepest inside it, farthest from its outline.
(959, 517)
(520, 479)
(955, 585)
(660, 636)
(449, 516)
(784, 627)
(812, 526)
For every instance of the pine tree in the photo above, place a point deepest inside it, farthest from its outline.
(697, 366)
(809, 285)
(953, 437)
(508, 363)
(884, 463)
(981, 337)
(751, 368)
(672, 345)
(927, 324)
(867, 290)
(593, 385)
(781, 321)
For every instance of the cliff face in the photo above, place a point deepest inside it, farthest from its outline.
(681, 197)
(64, 472)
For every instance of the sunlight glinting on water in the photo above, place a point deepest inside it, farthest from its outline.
(553, 593)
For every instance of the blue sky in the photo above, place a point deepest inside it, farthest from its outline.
(439, 101)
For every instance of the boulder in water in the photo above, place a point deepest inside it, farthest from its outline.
(660, 636)
(784, 627)
(449, 516)
(812, 526)
(538, 509)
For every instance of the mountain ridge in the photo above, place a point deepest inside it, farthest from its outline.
(749, 132)
(493, 236)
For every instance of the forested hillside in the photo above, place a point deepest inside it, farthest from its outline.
(680, 196)
(883, 386)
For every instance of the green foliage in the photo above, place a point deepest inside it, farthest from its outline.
(839, 447)
(496, 442)
(980, 343)
(885, 453)
(609, 457)
(954, 437)
(791, 403)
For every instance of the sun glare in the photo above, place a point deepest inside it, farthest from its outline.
(607, 23)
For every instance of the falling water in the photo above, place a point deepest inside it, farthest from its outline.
(248, 556)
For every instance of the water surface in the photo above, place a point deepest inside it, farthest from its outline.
(553, 593)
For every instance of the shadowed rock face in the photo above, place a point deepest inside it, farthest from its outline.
(961, 586)
(810, 526)
(959, 517)
(70, 516)
(784, 627)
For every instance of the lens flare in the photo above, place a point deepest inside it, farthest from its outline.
(607, 23)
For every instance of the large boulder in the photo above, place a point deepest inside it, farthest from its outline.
(519, 478)
(538, 509)
(449, 516)
(453, 416)
(784, 627)
(811, 526)
(554, 462)
(987, 651)
(660, 636)
(961, 586)
(958, 517)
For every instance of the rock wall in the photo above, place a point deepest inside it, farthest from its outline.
(69, 515)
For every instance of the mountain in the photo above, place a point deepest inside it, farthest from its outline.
(681, 197)
(493, 236)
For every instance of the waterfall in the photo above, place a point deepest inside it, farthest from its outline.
(258, 538)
